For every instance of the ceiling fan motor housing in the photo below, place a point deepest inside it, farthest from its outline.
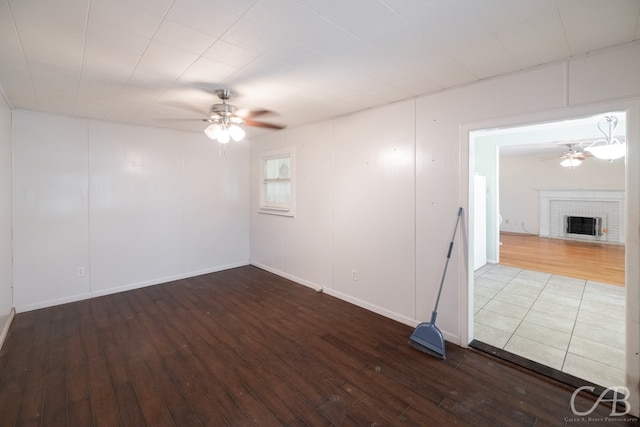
(224, 110)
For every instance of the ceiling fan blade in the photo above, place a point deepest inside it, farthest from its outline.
(250, 114)
(263, 125)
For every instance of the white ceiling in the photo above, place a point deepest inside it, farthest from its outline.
(150, 62)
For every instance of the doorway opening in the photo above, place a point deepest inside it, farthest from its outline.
(545, 296)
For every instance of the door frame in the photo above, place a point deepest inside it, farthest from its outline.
(632, 245)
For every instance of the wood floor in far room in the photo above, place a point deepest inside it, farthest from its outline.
(598, 262)
(246, 347)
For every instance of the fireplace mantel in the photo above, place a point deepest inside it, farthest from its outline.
(609, 204)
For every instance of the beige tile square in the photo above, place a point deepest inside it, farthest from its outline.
(489, 335)
(523, 289)
(485, 282)
(604, 299)
(603, 306)
(480, 271)
(486, 287)
(515, 299)
(612, 337)
(498, 276)
(505, 270)
(563, 280)
(480, 301)
(555, 309)
(604, 289)
(544, 335)
(601, 320)
(549, 321)
(507, 309)
(565, 289)
(593, 371)
(568, 301)
(485, 292)
(532, 350)
(497, 320)
(600, 352)
(533, 276)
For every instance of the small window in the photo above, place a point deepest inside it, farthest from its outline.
(277, 182)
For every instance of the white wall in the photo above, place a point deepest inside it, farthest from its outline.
(298, 248)
(355, 203)
(393, 223)
(521, 178)
(6, 269)
(130, 205)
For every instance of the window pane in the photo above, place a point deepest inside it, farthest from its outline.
(277, 168)
(277, 192)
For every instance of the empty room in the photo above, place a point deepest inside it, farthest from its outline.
(269, 212)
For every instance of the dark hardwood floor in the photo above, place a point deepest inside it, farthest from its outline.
(246, 347)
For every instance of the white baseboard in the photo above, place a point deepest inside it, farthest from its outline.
(355, 301)
(372, 307)
(127, 287)
(307, 283)
(7, 324)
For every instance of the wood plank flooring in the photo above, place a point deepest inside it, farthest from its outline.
(583, 260)
(245, 347)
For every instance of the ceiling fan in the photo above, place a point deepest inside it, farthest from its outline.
(225, 119)
(573, 156)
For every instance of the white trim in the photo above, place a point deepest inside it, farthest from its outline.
(288, 210)
(7, 324)
(355, 301)
(127, 287)
(307, 283)
(632, 240)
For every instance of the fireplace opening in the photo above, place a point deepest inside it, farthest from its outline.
(588, 226)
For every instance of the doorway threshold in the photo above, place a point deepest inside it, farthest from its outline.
(541, 369)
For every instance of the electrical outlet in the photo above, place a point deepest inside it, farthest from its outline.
(80, 272)
(354, 275)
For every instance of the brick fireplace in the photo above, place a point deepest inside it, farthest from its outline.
(563, 211)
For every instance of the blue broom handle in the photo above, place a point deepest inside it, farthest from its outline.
(446, 265)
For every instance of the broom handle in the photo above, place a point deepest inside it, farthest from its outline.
(446, 264)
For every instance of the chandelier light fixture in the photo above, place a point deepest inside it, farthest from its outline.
(609, 148)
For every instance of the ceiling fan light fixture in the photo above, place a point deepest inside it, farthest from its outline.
(212, 131)
(225, 120)
(236, 132)
(571, 162)
(223, 136)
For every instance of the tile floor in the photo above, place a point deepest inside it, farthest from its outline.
(573, 325)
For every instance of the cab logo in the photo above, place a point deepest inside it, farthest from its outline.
(619, 400)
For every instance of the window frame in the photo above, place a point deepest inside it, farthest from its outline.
(284, 209)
